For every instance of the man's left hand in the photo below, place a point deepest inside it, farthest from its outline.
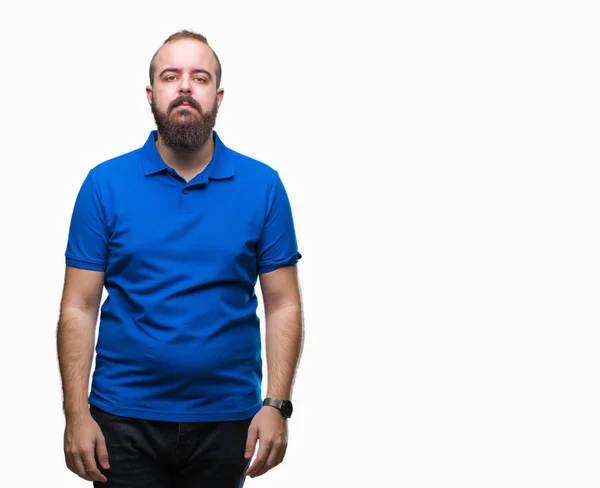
(270, 429)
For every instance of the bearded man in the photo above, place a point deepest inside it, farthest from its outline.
(179, 232)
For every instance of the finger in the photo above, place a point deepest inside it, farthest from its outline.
(78, 467)
(102, 452)
(261, 459)
(272, 460)
(251, 442)
(91, 469)
(282, 452)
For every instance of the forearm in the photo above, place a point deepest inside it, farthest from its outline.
(284, 341)
(75, 342)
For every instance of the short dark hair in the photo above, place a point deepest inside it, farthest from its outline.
(187, 34)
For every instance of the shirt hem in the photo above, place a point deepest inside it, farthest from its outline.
(174, 416)
(274, 265)
(89, 265)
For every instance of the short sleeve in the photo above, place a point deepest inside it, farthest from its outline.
(277, 246)
(87, 245)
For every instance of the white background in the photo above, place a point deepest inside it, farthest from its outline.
(442, 162)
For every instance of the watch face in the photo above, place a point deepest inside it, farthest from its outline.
(287, 409)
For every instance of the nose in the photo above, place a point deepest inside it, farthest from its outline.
(184, 86)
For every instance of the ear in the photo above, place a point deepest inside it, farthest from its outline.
(220, 94)
(149, 94)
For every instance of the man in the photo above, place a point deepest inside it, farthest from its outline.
(179, 232)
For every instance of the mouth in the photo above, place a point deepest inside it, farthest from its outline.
(184, 106)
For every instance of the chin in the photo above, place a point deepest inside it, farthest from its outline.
(184, 117)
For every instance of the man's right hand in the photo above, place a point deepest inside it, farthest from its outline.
(82, 443)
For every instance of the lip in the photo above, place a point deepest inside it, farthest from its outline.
(184, 106)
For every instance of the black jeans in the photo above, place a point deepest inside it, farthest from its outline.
(158, 454)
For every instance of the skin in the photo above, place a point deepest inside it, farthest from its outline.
(284, 335)
(183, 67)
(82, 293)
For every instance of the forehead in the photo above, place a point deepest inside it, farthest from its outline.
(185, 54)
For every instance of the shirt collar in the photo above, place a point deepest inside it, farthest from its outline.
(219, 167)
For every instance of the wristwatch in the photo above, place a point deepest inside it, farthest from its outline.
(284, 406)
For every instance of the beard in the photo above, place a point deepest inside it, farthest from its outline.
(188, 129)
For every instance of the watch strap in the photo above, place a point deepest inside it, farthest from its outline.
(273, 402)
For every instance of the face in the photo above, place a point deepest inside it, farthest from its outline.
(184, 98)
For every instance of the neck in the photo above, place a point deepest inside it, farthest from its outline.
(187, 163)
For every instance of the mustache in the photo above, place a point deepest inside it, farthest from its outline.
(185, 99)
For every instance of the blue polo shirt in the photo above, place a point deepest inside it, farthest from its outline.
(179, 337)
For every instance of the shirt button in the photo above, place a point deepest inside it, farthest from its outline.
(185, 191)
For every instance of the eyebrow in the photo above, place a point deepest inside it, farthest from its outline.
(177, 70)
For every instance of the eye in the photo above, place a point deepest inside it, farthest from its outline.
(170, 78)
(199, 79)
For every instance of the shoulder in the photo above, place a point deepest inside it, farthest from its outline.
(120, 164)
(249, 168)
